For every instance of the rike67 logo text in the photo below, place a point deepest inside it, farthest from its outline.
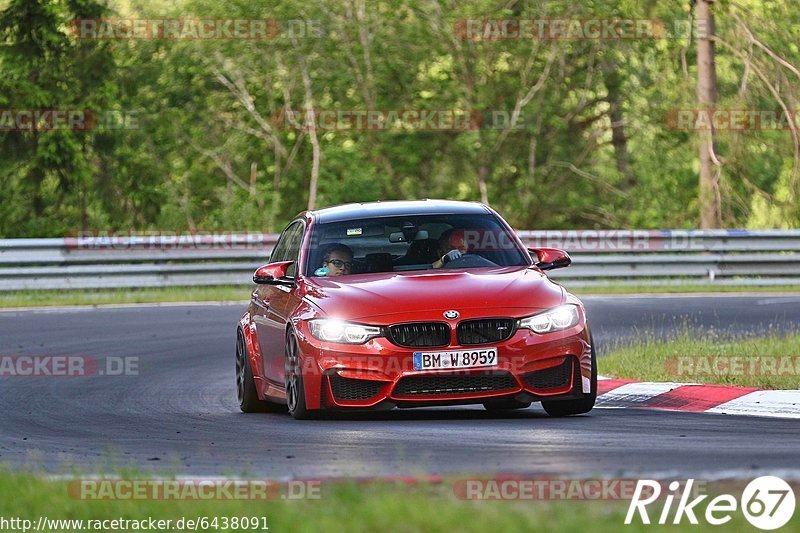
(767, 503)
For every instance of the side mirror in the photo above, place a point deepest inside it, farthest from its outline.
(273, 274)
(550, 258)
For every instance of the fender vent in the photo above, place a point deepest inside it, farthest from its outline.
(555, 377)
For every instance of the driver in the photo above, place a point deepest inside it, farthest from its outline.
(338, 260)
(451, 246)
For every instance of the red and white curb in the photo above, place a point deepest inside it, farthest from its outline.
(624, 393)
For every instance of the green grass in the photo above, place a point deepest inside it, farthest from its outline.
(677, 289)
(693, 358)
(41, 298)
(31, 298)
(346, 507)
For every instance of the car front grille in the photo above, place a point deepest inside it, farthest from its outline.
(420, 334)
(484, 330)
(453, 384)
(354, 389)
(550, 378)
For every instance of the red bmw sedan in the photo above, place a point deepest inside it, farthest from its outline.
(409, 304)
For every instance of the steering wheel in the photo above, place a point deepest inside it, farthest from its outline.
(469, 261)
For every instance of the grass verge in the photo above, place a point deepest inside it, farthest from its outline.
(34, 298)
(677, 289)
(769, 362)
(341, 507)
(43, 298)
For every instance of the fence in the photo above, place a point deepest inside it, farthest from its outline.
(641, 257)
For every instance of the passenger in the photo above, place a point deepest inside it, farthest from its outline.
(451, 246)
(338, 261)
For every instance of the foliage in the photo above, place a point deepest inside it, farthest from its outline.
(205, 144)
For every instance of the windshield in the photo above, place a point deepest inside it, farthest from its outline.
(412, 242)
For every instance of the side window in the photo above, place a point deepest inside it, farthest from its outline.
(279, 252)
(294, 240)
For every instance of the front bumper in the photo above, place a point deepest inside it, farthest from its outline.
(531, 367)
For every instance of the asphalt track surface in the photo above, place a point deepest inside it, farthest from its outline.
(179, 414)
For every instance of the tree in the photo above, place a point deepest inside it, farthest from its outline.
(709, 188)
(48, 178)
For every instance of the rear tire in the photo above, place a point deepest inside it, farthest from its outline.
(505, 405)
(246, 391)
(558, 408)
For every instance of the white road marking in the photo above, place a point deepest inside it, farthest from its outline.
(633, 394)
(771, 403)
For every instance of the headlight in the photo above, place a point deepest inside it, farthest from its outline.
(556, 319)
(332, 330)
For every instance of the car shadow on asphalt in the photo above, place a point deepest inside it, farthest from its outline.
(438, 413)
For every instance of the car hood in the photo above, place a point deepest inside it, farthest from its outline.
(421, 295)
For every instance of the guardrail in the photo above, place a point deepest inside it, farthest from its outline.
(664, 257)
(641, 257)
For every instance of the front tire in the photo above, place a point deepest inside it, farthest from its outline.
(559, 408)
(295, 389)
(245, 383)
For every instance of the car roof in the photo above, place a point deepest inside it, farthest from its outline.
(397, 208)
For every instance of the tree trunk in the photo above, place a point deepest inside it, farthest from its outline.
(315, 150)
(619, 139)
(312, 133)
(709, 197)
(483, 172)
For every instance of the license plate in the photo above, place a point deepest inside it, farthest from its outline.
(456, 359)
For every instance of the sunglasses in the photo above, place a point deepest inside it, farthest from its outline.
(338, 263)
